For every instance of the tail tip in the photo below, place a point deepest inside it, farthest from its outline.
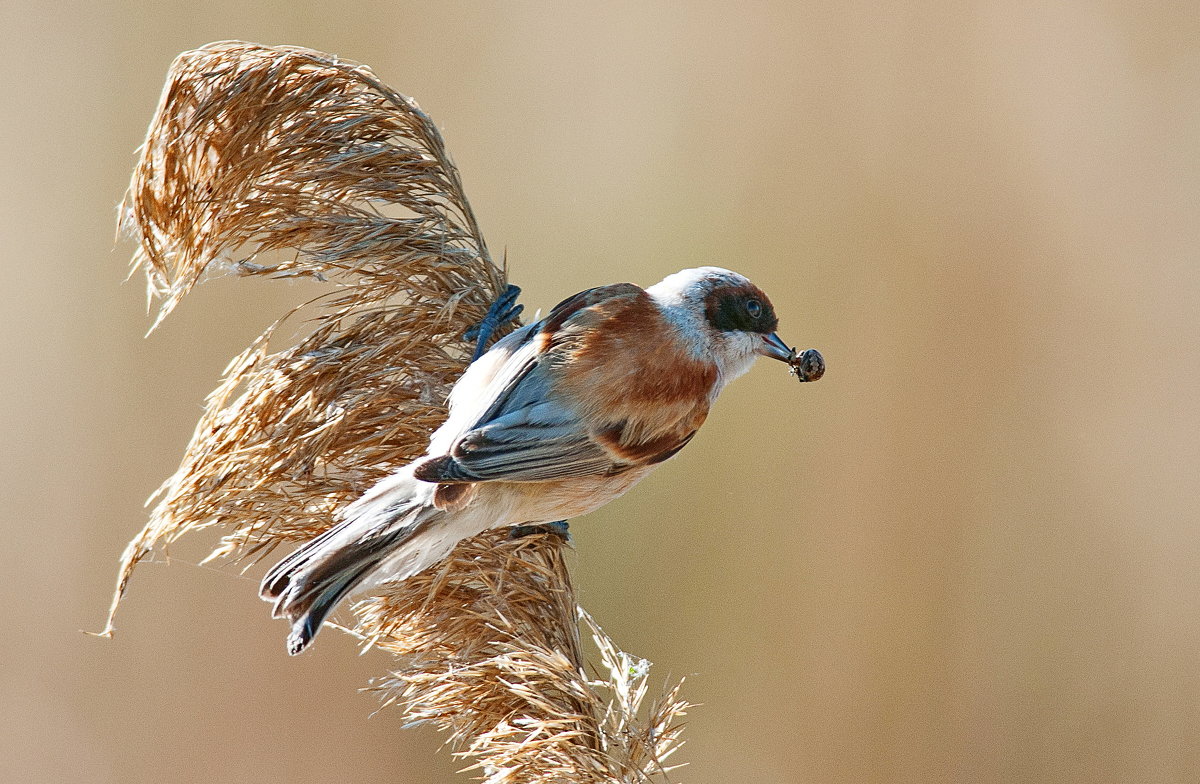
(301, 635)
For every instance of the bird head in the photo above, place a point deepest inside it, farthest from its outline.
(721, 316)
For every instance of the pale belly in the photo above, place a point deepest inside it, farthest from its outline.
(547, 502)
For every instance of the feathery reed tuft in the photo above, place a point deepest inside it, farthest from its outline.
(255, 150)
(492, 654)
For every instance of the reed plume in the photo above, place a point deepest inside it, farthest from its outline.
(283, 161)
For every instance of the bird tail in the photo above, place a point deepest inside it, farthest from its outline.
(392, 531)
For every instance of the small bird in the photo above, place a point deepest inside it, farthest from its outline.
(554, 421)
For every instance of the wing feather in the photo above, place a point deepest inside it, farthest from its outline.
(526, 431)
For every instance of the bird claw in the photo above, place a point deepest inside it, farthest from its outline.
(560, 529)
(502, 311)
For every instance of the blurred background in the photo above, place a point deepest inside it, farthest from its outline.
(969, 554)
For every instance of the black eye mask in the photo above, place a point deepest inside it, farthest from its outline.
(726, 310)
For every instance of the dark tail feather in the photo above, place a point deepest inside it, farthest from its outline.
(308, 584)
(309, 588)
(310, 609)
(387, 525)
(279, 577)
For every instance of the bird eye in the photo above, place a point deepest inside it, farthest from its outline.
(753, 308)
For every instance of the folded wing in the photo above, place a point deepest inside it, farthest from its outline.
(531, 430)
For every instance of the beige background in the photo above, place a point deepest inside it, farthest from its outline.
(969, 554)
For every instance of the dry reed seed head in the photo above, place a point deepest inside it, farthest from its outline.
(258, 149)
(490, 651)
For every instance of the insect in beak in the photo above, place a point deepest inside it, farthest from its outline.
(808, 365)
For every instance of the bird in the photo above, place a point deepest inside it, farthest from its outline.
(555, 420)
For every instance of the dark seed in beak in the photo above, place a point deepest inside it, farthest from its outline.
(808, 365)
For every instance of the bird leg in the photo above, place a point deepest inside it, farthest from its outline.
(558, 529)
(502, 311)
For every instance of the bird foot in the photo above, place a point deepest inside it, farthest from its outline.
(502, 311)
(559, 529)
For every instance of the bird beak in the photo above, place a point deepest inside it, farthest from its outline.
(775, 348)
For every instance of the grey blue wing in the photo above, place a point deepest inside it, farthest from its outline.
(539, 442)
(525, 432)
